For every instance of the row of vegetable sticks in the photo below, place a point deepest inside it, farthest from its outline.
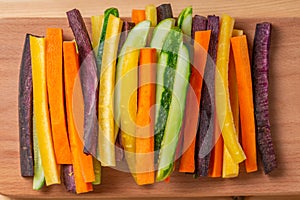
(121, 95)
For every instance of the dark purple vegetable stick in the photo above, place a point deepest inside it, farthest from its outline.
(25, 111)
(127, 26)
(164, 11)
(199, 23)
(89, 80)
(205, 133)
(68, 178)
(260, 73)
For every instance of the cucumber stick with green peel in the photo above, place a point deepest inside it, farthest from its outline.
(175, 116)
(107, 13)
(185, 20)
(160, 33)
(136, 38)
(165, 79)
(39, 177)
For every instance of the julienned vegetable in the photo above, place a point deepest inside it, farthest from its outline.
(151, 14)
(68, 178)
(260, 74)
(176, 112)
(201, 42)
(128, 105)
(230, 168)
(164, 11)
(54, 66)
(206, 112)
(160, 34)
(89, 80)
(136, 38)
(138, 15)
(145, 117)
(82, 164)
(39, 177)
(215, 169)
(41, 112)
(103, 30)
(25, 111)
(165, 75)
(222, 94)
(96, 26)
(245, 96)
(184, 20)
(106, 135)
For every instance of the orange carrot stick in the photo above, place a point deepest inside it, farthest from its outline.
(138, 16)
(245, 96)
(83, 164)
(54, 67)
(187, 162)
(216, 159)
(145, 117)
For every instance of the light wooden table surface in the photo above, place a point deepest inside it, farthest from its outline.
(235, 8)
(285, 79)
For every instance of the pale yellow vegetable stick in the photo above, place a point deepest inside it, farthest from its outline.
(224, 113)
(40, 104)
(128, 101)
(151, 15)
(230, 168)
(106, 137)
(96, 22)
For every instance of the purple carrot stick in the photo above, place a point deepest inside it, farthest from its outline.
(68, 178)
(89, 80)
(205, 133)
(260, 74)
(25, 111)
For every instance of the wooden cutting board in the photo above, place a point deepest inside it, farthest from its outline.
(284, 113)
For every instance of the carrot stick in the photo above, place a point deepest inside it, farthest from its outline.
(216, 160)
(138, 16)
(145, 117)
(245, 96)
(231, 169)
(187, 162)
(41, 112)
(83, 164)
(54, 67)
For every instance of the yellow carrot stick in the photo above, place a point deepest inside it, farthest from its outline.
(96, 24)
(230, 168)
(106, 137)
(128, 103)
(151, 14)
(224, 112)
(40, 104)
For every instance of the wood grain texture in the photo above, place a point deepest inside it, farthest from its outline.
(235, 8)
(284, 104)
